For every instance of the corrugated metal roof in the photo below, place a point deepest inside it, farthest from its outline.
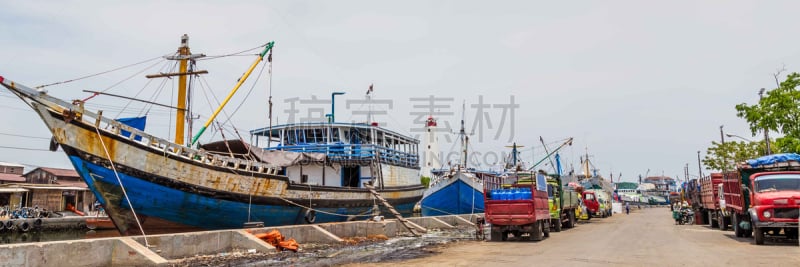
(9, 177)
(57, 172)
(3, 163)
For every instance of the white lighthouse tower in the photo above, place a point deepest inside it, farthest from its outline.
(431, 159)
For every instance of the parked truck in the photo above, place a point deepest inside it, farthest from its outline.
(563, 201)
(591, 203)
(763, 197)
(709, 202)
(604, 202)
(517, 205)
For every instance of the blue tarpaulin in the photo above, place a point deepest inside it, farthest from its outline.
(136, 122)
(771, 159)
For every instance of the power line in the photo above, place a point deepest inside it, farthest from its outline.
(25, 136)
(24, 148)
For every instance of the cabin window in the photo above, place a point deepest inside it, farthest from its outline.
(304, 178)
(550, 190)
(335, 135)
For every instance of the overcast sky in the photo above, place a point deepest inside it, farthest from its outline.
(642, 85)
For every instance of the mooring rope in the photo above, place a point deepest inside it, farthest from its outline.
(321, 211)
(124, 192)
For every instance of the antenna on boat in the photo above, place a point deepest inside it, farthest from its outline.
(369, 104)
(184, 56)
(269, 136)
(464, 138)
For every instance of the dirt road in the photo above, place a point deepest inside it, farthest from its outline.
(647, 237)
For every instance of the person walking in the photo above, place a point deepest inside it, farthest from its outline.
(627, 208)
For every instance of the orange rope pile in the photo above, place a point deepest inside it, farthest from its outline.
(278, 241)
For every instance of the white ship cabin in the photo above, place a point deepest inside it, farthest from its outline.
(354, 153)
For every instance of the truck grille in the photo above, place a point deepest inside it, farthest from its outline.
(787, 213)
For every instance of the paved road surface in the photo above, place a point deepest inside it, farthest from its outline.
(646, 237)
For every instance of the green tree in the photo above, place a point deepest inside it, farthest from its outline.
(778, 111)
(719, 155)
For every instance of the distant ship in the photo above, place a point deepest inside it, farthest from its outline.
(307, 173)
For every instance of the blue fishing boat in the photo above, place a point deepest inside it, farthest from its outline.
(305, 173)
(457, 190)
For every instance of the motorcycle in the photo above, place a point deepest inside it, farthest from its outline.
(684, 216)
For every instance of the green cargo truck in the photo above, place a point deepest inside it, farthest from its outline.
(563, 202)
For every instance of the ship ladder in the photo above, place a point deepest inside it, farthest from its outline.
(413, 228)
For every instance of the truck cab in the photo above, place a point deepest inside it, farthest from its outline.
(591, 202)
(553, 200)
(775, 198)
(562, 201)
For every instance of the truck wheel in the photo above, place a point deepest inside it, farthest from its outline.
(759, 235)
(556, 225)
(546, 228)
(496, 236)
(536, 233)
(571, 221)
(721, 222)
(711, 221)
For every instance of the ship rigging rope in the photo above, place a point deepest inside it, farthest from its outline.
(124, 192)
(152, 98)
(442, 211)
(120, 82)
(99, 73)
(235, 54)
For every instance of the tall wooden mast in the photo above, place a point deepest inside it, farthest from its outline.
(183, 57)
(180, 121)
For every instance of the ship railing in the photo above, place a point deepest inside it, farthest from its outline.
(114, 127)
(349, 152)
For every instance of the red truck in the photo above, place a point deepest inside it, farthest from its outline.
(709, 202)
(517, 205)
(764, 198)
(591, 202)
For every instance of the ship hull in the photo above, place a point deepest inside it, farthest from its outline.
(462, 194)
(162, 207)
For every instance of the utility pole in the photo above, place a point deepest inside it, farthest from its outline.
(699, 166)
(724, 158)
(766, 130)
(686, 172)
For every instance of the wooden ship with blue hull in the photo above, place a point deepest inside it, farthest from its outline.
(457, 190)
(147, 183)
